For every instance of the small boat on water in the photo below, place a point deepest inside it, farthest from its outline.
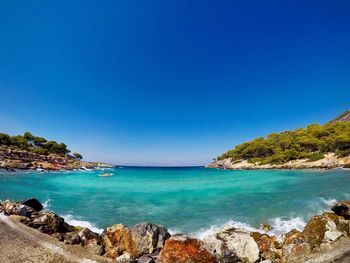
(105, 175)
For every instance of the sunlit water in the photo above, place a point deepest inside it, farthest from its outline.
(190, 200)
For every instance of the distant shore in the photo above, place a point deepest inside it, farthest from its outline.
(12, 159)
(330, 161)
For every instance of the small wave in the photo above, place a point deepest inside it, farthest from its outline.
(74, 222)
(231, 223)
(329, 202)
(46, 204)
(279, 227)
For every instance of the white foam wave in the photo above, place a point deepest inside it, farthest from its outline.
(279, 227)
(74, 222)
(46, 204)
(329, 202)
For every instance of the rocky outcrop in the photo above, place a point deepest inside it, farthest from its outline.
(13, 158)
(183, 249)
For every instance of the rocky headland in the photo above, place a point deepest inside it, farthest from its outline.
(20, 152)
(314, 147)
(17, 159)
(325, 238)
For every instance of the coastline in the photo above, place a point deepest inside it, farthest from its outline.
(325, 238)
(330, 161)
(12, 159)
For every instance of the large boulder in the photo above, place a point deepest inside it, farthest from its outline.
(342, 208)
(320, 229)
(117, 240)
(33, 203)
(343, 225)
(230, 245)
(183, 249)
(148, 237)
(141, 239)
(50, 223)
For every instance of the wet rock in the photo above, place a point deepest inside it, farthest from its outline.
(33, 203)
(266, 227)
(183, 249)
(319, 230)
(229, 244)
(342, 208)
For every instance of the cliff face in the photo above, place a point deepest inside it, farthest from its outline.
(12, 158)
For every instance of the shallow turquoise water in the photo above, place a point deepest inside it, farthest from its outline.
(190, 200)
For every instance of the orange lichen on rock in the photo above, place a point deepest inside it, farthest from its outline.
(182, 249)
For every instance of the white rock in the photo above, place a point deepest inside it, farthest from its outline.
(231, 244)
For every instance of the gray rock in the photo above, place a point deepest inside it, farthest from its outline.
(33, 203)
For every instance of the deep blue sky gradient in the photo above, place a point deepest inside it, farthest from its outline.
(170, 82)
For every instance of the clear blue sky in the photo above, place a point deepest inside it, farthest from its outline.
(170, 82)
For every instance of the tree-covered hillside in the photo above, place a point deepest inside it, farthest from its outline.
(311, 142)
(35, 144)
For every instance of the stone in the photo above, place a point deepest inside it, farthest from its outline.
(266, 227)
(296, 252)
(342, 208)
(343, 225)
(14, 208)
(183, 249)
(50, 223)
(229, 244)
(264, 243)
(145, 259)
(139, 240)
(293, 237)
(117, 239)
(33, 203)
(147, 237)
(319, 230)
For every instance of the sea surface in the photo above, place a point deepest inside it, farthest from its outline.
(191, 200)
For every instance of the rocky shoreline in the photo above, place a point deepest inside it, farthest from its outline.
(330, 161)
(325, 238)
(12, 159)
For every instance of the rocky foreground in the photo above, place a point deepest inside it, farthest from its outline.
(16, 159)
(330, 161)
(325, 238)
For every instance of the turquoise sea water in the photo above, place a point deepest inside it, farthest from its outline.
(191, 200)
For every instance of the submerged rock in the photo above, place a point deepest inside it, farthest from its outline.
(342, 208)
(230, 245)
(183, 249)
